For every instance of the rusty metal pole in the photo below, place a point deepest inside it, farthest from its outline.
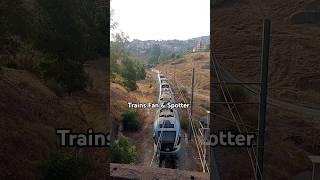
(191, 106)
(174, 74)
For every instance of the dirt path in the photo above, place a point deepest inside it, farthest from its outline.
(143, 139)
(188, 161)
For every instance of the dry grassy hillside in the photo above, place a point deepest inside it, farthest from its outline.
(119, 100)
(29, 114)
(200, 61)
(294, 67)
(293, 77)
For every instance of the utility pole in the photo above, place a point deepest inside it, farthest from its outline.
(213, 168)
(191, 105)
(174, 74)
(263, 97)
(105, 6)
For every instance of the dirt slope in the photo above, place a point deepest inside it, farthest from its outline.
(200, 61)
(294, 67)
(29, 114)
(293, 77)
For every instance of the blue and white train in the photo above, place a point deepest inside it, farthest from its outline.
(167, 128)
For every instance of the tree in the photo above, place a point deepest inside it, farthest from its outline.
(173, 55)
(121, 62)
(69, 32)
(128, 69)
(164, 55)
(113, 23)
(69, 75)
(60, 31)
(71, 29)
(154, 54)
(140, 70)
(130, 121)
(63, 166)
(15, 26)
(122, 151)
(118, 51)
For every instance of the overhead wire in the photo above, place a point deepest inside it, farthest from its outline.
(196, 135)
(218, 74)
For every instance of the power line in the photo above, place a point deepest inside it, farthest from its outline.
(218, 74)
(196, 135)
(157, 146)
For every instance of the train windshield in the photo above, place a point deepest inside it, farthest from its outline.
(166, 124)
(165, 86)
(167, 136)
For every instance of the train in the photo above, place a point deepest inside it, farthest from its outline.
(166, 128)
(166, 97)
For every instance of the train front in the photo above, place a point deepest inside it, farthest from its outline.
(167, 134)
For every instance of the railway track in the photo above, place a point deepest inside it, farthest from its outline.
(187, 158)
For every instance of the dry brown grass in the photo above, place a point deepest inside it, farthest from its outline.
(184, 76)
(30, 112)
(237, 29)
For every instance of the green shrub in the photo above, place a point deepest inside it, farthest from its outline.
(140, 70)
(122, 151)
(63, 166)
(131, 85)
(130, 121)
(54, 86)
(69, 74)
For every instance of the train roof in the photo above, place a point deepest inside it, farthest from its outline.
(164, 80)
(165, 94)
(167, 118)
(167, 122)
(166, 112)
